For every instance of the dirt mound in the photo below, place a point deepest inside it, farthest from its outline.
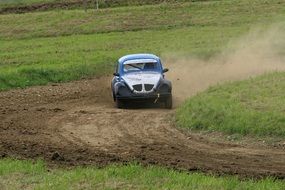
(42, 6)
(73, 4)
(77, 124)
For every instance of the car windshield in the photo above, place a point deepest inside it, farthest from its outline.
(147, 66)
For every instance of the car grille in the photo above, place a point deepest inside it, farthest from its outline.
(148, 87)
(137, 87)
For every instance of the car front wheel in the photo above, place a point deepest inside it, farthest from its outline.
(168, 102)
(119, 104)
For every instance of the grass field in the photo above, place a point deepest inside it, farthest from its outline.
(37, 48)
(80, 5)
(43, 60)
(190, 15)
(252, 107)
(27, 175)
(21, 2)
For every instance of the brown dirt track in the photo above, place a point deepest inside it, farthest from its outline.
(76, 124)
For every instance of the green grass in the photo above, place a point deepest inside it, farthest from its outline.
(16, 174)
(37, 48)
(22, 2)
(41, 60)
(252, 107)
(90, 4)
(192, 15)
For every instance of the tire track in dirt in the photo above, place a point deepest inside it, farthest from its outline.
(76, 124)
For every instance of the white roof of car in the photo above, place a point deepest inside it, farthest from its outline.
(134, 61)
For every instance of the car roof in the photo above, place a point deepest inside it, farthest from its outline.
(138, 56)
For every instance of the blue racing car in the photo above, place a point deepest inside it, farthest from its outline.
(140, 78)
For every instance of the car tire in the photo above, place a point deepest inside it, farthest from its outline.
(119, 104)
(168, 102)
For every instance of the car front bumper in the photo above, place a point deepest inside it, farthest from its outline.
(153, 97)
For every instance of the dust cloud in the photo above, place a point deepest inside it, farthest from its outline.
(256, 53)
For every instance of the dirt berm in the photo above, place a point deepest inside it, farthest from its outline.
(74, 4)
(76, 124)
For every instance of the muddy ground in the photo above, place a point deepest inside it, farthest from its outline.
(77, 124)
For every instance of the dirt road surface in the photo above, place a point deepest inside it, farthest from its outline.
(77, 124)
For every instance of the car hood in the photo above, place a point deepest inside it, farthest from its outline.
(141, 78)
